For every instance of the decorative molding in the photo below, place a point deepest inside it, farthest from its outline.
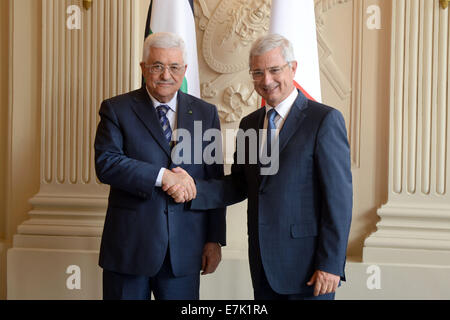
(246, 23)
(412, 231)
(79, 70)
(419, 100)
(201, 14)
(236, 98)
(67, 227)
(322, 7)
(9, 154)
(415, 222)
(208, 90)
(233, 26)
(356, 83)
(345, 88)
(331, 70)
(226, 34)
(442, 113)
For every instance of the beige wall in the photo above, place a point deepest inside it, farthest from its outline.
(370, 177)
(4, 31)
(20, 106)
(25, 110)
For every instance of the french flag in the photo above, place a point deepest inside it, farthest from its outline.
(296, 21)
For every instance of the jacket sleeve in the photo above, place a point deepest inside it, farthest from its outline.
(112, 166)
(332, 157)
(216, 216)
(221, 192)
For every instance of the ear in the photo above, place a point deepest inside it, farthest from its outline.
(142, 64)
(294, 66)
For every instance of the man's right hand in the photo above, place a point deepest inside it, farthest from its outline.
(179, 185)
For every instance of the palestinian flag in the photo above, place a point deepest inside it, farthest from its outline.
(177, 16)
(296, 21)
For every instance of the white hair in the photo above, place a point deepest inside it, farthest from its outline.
(164, 40)
(269, 42)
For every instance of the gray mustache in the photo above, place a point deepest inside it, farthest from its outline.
(270, 87)
(165, 82)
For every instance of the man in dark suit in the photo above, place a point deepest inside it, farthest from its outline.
(150, 244)
(299, 202)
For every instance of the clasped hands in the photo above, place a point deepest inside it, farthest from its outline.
(178, 184)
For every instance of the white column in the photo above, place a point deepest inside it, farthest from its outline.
(415, 222)
(80, 68)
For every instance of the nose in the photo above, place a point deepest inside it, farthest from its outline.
(166, 74)
(267, 78)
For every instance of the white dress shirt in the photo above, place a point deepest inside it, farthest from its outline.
(172, 117)
(282, 110)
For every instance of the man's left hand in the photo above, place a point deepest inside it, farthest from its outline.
(324, 282)
(212, 254)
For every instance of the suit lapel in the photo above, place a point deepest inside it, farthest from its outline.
(291, 125)
(145, 111)
(259, 125)
(185, 113)
(293, 121)
(185, 120)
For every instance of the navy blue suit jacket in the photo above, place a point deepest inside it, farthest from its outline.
(142, 222)
(299, 218)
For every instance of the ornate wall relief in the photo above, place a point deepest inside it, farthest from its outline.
(329, 67)
(340, 55)
(226, 33)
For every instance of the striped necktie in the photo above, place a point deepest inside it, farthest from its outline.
(164, 121)
(271, 114)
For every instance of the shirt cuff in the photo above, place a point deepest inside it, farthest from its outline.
(158, 182)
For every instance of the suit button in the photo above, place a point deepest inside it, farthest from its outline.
(262, 192)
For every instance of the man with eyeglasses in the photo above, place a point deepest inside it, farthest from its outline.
(150, 244)
(298, 217)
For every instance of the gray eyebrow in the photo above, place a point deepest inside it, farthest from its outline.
(172, 64)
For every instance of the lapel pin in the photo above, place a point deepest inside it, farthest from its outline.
(190, 111)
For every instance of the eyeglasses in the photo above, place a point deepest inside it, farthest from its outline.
(258, 74)
(174, 69)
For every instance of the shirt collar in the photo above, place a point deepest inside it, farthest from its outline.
(285, 106)
(172, 103)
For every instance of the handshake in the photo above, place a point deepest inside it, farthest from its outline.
(178, 184)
